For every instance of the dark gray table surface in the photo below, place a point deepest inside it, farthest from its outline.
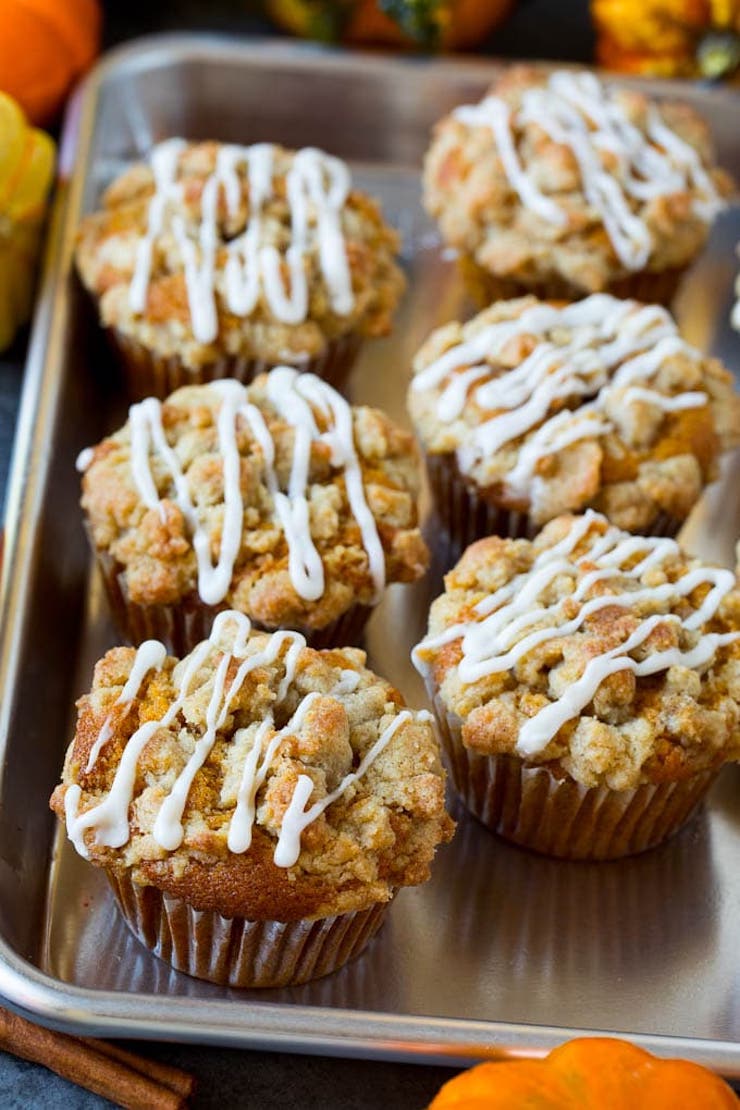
(227, 1077)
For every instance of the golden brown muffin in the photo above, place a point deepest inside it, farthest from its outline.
(532, 409)
(277, 499)
(559, 185)
(255, 780)
(587, 684)
(212, 260)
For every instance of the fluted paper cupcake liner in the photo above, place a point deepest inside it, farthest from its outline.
(558, 816)
(183, 625)
(487, 288)
(468, 515)
(465, 512)
(238, 953)
(147, 374)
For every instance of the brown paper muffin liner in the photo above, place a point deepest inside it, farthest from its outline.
(238, 953)
(465, 511)
(486, 288)
(468, 514)
(147, 374)
(182, 626)
(558, 816)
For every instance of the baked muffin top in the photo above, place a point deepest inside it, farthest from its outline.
(277, 499)
(558, 407)
(255, 777)
(558, 175)
(612, 657)
(210, 249)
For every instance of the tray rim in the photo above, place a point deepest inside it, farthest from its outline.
(279, 1026)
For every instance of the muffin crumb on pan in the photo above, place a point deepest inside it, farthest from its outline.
(560, 185)
(587, 684)
(213, 260)
(258, 780)
(532, 409)
(278, 499)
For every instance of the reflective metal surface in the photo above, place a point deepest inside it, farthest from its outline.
(502, 952)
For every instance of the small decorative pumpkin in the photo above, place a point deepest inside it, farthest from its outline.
(589, 1073)
(26, 170)
(45, 45)
(668, 38)
(430, 24)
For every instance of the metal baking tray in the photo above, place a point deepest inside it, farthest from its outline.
(503, 952)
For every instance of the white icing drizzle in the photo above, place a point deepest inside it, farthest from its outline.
(347, 683)
(164, 159)
(575, 110)
(497, 639)
(293, 395)
(613, 344)
(297, 817)
(317, 186)
(84, 459)
(110, 818)
(149, 657)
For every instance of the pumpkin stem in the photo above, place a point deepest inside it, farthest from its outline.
(421, 20)
(718, 54)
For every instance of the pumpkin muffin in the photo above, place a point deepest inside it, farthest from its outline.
(558, 185)
(532, 409)
(277, 499)
(254, 805)
(586, 684)
(212, 260)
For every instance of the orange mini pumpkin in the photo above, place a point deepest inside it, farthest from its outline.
(45, 45)
(589, 1073)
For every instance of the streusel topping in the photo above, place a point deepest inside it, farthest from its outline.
(613, 657)
(277, 499)
(560, 175)
(553, 408)
(212, 249)
(256, 776)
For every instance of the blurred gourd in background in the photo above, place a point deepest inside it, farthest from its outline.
(45, 45)
(425, 24)
(26, 171)
(669, 38)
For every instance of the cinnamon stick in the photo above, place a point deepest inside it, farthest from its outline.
(181, 1082)
(108, 1072)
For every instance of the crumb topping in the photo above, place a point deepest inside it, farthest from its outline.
(255, 776)
(611, 657)
(557, 408)
(276, 499)
(211, 249)
(559, 176)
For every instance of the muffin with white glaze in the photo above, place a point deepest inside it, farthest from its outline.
(532, 409)
(561, 186)
(278, 499)
(586, 684)
(255, 805)
(212, 260)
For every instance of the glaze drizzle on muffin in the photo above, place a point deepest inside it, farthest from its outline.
(277, 497)
(576, 111)
(580, 621)
(314, 179)
(266, 757)
(529, 387)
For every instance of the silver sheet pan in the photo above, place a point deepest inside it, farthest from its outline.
(502, 952)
